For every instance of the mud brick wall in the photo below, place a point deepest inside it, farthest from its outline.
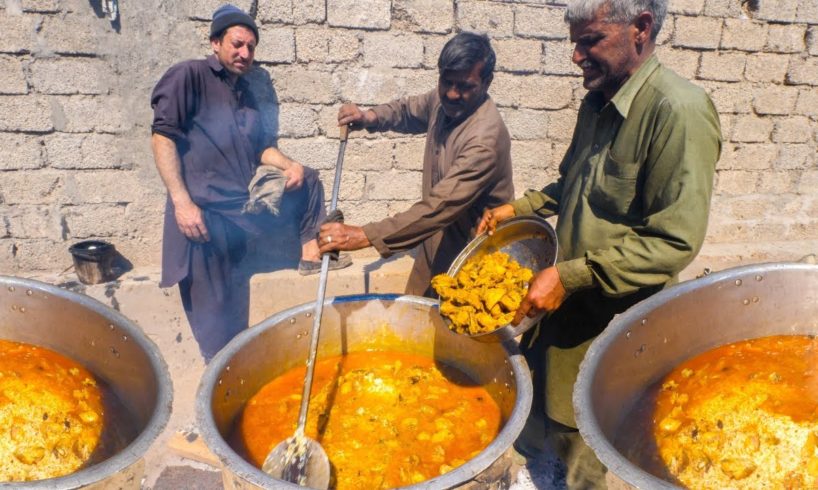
(75, 159)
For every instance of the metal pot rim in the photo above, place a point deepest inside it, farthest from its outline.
(586, 420)
(242, 468)
(158, 420)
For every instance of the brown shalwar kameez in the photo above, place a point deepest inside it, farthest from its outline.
(466, 169)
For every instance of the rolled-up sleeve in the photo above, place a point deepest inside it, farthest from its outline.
(173, 101)
(472, 171)
(408, 115)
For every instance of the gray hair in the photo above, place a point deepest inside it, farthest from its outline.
(619, 11)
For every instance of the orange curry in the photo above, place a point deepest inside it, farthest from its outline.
(51, 413)
(744, 415)
(385, 419)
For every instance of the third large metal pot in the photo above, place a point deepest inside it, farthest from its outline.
(647, 341)
(409, 324)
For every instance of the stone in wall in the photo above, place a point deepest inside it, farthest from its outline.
(31, 113)
(786, 38)
(68, 76)
(540, 22)
(393, 184)
(18, 32)
(12, 77)
(793, 129)
(744, 34)
(519, 55)
(775, 99)
(33, 221)
(321, 45)
(803, 71)
(20, 152)
(725, 67)
(766, 67)
(360, 14)
(429, 16)
(276, 45)
(752, 129)
(697, 32)
(400, 50)
(494, 19)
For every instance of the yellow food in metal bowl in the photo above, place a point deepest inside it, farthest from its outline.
(484, 295)
(51, 413)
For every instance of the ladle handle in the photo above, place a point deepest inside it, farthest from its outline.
(322, 286)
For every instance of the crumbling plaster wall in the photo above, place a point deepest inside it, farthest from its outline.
(75, 159)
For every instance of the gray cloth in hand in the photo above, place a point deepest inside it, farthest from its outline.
(266, 190)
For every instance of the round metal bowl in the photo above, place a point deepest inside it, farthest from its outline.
(529, 240)
(349, 324)
(644, 343)
(109, 345)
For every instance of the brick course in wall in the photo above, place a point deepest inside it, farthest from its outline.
(75, 116)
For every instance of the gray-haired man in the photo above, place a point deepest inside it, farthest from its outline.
(633, 199)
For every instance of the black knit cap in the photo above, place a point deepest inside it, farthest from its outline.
(229, 15)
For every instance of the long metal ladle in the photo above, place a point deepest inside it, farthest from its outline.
(299, 459)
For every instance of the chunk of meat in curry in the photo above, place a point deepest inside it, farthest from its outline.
(484, 294)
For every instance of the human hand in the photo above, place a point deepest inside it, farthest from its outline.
(295, 176)
(493, 216)
(338, 236)
(190, 220)
(352, 115)
(545, 293)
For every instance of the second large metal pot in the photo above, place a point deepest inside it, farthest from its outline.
(356, 323)
(643, 344)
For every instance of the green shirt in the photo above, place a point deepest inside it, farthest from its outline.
(633, 195)
(633, 198)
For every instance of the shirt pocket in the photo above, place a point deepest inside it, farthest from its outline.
(614, 186)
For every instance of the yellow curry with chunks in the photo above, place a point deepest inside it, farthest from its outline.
(51, 413)
(385, 419)
(484, 294)
(741, 416)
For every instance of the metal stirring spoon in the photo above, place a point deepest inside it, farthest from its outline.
(299, 459)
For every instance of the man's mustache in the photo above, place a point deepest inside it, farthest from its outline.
(585, 65)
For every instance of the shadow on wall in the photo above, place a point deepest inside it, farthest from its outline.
(279, 247)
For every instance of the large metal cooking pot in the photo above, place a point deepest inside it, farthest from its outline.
(349, 324)
(644, 343)
(111, 347)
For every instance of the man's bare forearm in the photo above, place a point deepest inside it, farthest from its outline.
(272, 156)
(170, 168)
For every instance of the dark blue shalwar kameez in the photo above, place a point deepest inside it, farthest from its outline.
(219, 136)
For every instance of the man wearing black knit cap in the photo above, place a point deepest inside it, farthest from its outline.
(209, 146)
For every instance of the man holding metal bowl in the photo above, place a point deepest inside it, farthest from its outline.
(633, 199)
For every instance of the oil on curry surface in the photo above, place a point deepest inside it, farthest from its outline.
(385, 419)
(741, 416)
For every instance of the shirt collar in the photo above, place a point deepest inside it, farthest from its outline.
(214, 63)
(623, 98)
